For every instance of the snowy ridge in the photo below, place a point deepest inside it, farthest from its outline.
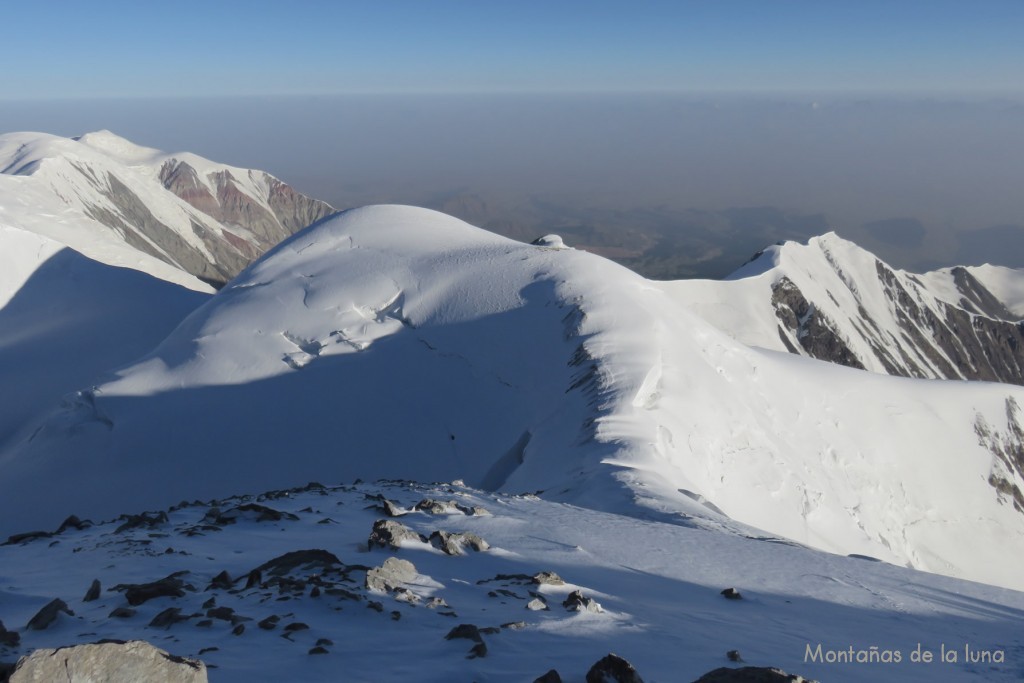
(832, 300)
(399, 342)
(101, 193)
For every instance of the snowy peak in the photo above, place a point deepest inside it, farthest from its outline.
(207, 219)
(829, 299)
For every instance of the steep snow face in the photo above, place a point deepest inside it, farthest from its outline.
(66, 319)
(832, 300)
(100, 193)
(401, 343)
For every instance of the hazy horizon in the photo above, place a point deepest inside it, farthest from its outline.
(910, 177)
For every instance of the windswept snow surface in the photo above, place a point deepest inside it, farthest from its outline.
(398, 342)
(658, 585)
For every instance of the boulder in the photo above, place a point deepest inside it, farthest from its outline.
(390, 575)
(613, 669)
(388, 533)
(453, 543)
(134, 661)
(48, 614)
(578, 602)
(94, 591)
(551, 676)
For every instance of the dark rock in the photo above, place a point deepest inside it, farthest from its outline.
(168, 617)
(307, 559)
(550, 677)
(613, 669)
(255, 578)
(270, 623)
(734, 656)
(296, 626)
(94, 591)
(8, 638)
(222, 582)
(204, 623)
(732, 594)
(122, 613)
(318, 650)
(376, 606)
(73, 522)
(467, 631)
(396, 615)
(453, 543)
(212, 602)
(315, 593)
(222, 613)
(388, 533)
(27, 536)
(145, 520)
(248, 511)
(324, 641)
(139, 593)
(48, 614)
(750, 674)
(478, 650)
(578, 602)
(238, 630)
(204, 650)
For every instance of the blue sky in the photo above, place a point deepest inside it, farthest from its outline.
(189, 48)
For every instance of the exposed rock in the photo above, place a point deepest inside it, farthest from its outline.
(577, 602)
(388, 533)
(550, 677)
(169, 617)
(248, 511)
(478, 650)
(238, 630)
(548, 579)
(94, 591)
(453, 543)
(111, 661)
(48, 614)
(318, 650)
(467, 631)
(306, 559)
(122, 613)
(146, 520)
(222, 581)
(734, 656)
(390, 575)
(536, 605)
(750, 674)
(8, 638)
(270, 623)
(732, 594)
(613, 669)
(437, 507)
(169, 586)
(296, 626)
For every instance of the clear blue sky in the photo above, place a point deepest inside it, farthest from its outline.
(107, 48)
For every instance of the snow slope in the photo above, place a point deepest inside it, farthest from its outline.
(133, 206)
(658, 585)
(832, 300)
(399, 342)
(66, 319)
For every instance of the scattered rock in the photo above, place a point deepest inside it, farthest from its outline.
(453, 543)
(222, 613)
(536, 605)
(550, 677)
(547, 579)
(145, 520)
(732, 594)
(250, 512)
(390, 575)
(94, 591)
(169, 586)
(270, 623)
(318, 650)
(467, 631)
(734, 656)
(255, 578)
(324, 641)
(436, 507)
(578, 602)
(750, 674)
(478, 650)
(169, 617)
(134, 660)
(436, 602)
(204, 650)
(122, 613)
(8, 638)
(388, 533)
(222, 582)
(307, 559)
(296, 626)
(48, 614)
(613, 669)
(515, 625)
(238, 630)
(212, 602)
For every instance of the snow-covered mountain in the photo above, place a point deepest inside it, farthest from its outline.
(111, 199)
(400, 343)
(832, 300)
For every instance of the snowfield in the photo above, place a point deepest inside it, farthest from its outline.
(394, 342)
(657, 587)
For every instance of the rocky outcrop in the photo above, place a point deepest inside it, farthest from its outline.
(135, 661)
(751, 674)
